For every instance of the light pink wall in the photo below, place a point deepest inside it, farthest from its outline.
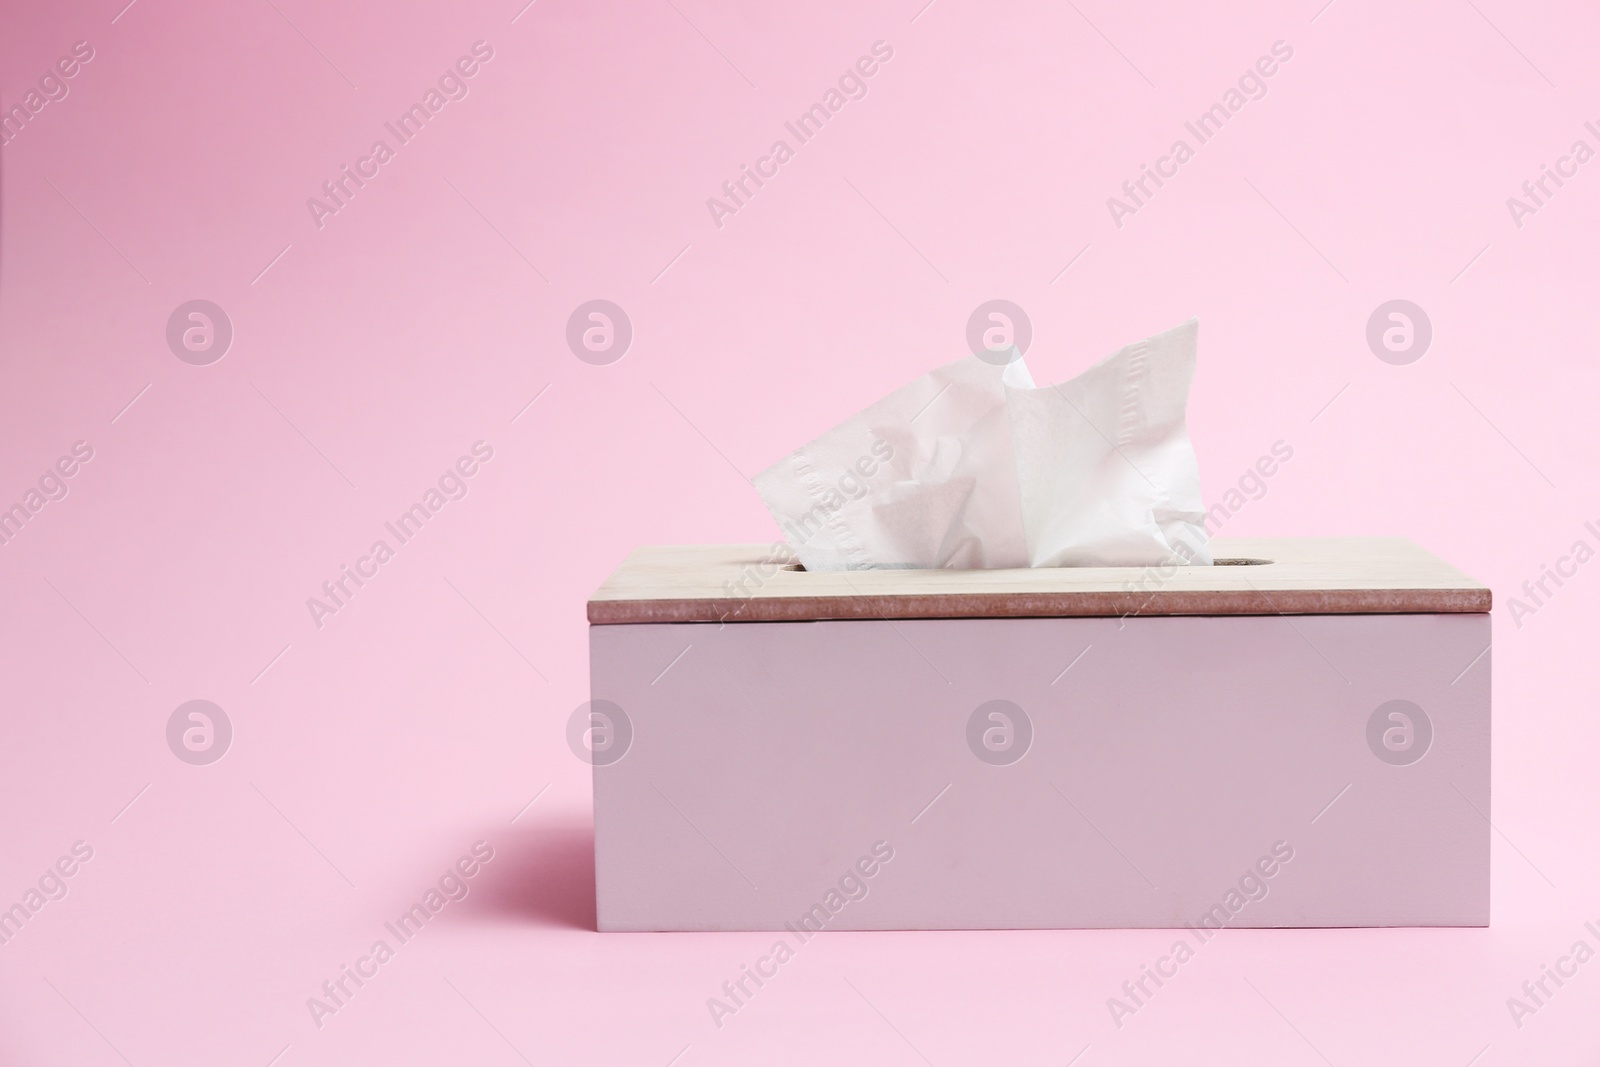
(371, 752)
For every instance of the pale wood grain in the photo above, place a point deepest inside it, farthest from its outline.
(1321, 576)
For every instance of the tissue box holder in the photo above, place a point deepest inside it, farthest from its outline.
(1298, 736)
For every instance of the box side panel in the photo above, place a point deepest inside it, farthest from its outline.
(1246, 771)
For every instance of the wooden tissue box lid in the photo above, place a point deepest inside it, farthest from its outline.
(1299, 576)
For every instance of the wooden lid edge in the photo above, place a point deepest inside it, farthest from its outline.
(1468, 600)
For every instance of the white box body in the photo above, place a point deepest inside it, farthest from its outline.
(1178, 765)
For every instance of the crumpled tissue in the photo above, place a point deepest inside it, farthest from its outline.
(973, 466)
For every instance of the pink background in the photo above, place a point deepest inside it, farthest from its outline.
(371, 753)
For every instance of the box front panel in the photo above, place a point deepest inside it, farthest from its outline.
(1066, 772)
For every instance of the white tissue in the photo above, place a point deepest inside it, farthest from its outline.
(1107, 473)
(972, 466)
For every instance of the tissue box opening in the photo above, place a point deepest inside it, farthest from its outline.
(1214, 563)
(1257, 576)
